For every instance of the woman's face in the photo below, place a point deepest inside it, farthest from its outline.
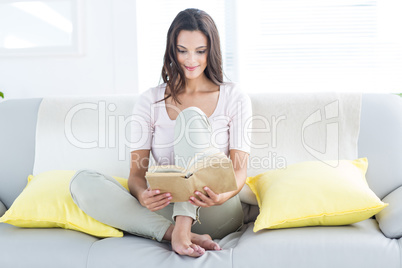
(192, 52)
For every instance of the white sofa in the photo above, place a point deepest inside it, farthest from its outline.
(373, 242)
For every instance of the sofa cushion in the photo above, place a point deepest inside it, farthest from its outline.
(390, 218)
(314, 193)
(291, 128)
(43, 248)
(46, 202)
(357, 245)
(84, 132)
(130, 251)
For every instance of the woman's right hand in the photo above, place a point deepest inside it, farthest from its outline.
(154, 200)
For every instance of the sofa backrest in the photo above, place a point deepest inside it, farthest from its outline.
(291, 128)
(17, 146)
(90, 144)
(84, 133)
(380, 140)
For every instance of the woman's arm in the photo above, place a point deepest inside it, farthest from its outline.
(239, 161)
(137, 184)
(138, 167)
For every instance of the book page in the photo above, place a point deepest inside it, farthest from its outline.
(219, 178)
(166, 169)
(205, 161)
(210, 167)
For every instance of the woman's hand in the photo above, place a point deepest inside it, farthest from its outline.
(154, 200)
(208, 200)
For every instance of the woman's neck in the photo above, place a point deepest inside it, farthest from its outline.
(199, 84)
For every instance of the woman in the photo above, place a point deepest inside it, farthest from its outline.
(193, 91)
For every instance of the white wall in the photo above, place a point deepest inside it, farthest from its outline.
(108, 65)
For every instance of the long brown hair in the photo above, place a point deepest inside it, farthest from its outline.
(191, 19)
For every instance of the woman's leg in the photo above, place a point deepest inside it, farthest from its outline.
(193, 138)
(192, 135)
(219, 221)
(106, 200)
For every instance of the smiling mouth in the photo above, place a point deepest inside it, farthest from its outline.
(191, 68)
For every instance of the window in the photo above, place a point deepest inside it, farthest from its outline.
(38, 28)
(289, 45)
(320, 45)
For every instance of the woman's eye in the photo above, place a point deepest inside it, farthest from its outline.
(201, 52)
(181, 51)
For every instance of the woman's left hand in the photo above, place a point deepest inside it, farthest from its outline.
(207, 200)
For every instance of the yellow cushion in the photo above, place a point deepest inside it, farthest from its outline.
(314, 193)
(46, 202)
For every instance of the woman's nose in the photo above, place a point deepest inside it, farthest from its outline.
(191, 56)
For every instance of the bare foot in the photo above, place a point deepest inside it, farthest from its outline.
(181, 244)
(205, 241)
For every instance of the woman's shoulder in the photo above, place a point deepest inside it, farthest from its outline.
(153, 93)
(157, 88)
(234, 90)
(229, 86)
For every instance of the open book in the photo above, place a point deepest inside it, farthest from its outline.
(214, 170)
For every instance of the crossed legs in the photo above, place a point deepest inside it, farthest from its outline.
(104, 199)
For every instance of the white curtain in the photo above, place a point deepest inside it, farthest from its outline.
(289, 45)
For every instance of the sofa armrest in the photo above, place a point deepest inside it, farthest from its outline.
(390, 218)
(3, 209)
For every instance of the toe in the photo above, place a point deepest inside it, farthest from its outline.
(188, 251)
(198, 249)
(212, 245)
(215, 246)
